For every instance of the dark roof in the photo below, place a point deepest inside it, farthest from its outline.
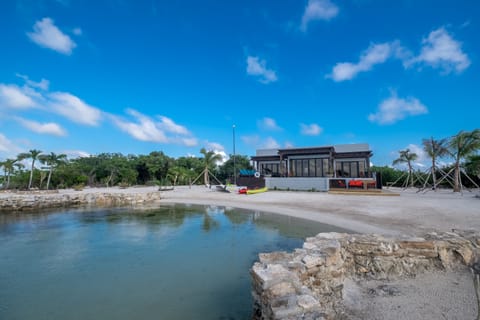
(265, 158)
(306, 151)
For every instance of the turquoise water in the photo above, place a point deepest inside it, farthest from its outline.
(174, 262)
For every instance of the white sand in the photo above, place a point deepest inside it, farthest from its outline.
(410, 213)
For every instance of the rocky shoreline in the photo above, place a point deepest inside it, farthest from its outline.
(322, 279)
(38, 200)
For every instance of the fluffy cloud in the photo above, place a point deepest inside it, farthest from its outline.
(256, 142)
(7, 147)
(214, 146)
(43, 84)
(74, 108)
(43, 128)
(217, 148)
(270, 143)
(144, 128)
(11, 96)
(375, 54)
(268, 124)
(188, 142)
(47, 35)
(394, 109)
(76, 154)
(257, 68)
(318, 10)
(310, 129)
(441, 50)
(168, 125)
(422, 157)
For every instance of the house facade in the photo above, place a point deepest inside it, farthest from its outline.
(312, 167)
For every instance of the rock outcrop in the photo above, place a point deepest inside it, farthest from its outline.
(309, 282)
(38, 200)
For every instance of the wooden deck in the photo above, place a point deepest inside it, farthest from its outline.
(363, 192)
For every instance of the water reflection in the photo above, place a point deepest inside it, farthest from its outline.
(172, 262)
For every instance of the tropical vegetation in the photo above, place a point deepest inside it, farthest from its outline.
(461, 163)
(112, 169)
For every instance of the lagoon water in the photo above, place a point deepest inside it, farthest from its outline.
(173, 262)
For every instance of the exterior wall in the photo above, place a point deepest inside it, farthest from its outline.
(292, 183)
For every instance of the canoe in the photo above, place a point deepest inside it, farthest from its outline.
(253, 191)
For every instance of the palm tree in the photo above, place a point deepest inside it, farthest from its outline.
(52, 160)
(473, 164)
(435, 149)
(8, 167)
(406, 157)
(31, 154)
(210, 160)
(461, 146)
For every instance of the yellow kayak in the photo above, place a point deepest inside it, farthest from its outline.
(253, 191)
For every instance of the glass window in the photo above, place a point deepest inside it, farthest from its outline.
(305, 168)
(354, 169)
(293, 168)
(361, 169)
(318, 168)
(326, 167)
(311, 168)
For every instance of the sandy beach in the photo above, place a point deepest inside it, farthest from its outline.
(410, 213)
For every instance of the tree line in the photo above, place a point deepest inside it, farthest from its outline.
(110, 169)
(459, 152)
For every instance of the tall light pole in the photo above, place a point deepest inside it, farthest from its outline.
(234, 169)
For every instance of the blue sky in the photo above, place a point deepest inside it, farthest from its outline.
(84, 77)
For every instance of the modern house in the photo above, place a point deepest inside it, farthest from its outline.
(313, 167)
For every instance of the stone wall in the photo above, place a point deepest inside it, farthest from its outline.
(36, 201)
(309, 283)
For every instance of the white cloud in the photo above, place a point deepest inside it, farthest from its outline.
(256, 142)
(74, 108)
(422, 160)
(76, 154)
(43, 84)
(318, 10)
(441, 51)
(270, 143)
(43, 128)
(189, 142)
(11, 96)
(375, 54)
(168, 125)
(394, 109)
(422, 156)
(257, 68)
(289, 144)
(268, 124)
(310, 129)
(214, 146)
(47, 35)
(144, 128)
(7, 147)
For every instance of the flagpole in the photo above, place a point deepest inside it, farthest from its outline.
(234, 169)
